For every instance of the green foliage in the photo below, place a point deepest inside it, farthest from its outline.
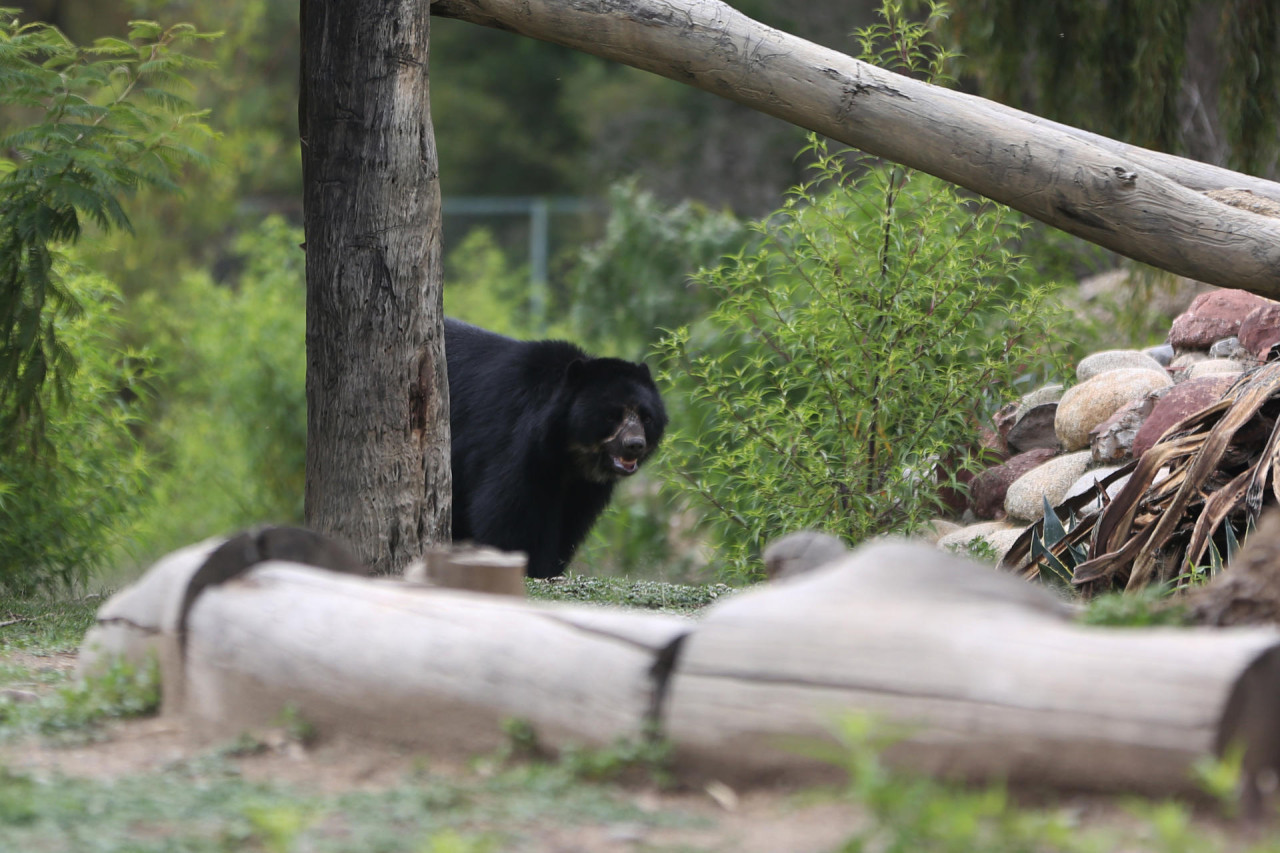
(482, 287)
(854, 347)
(1219, 777)
(647, 757)
(1218, 561)
(277, 826)
(46, 625)
(1250, 89)
(122, 690)
(978, 549)
(206, 805)
(230, 438)
(248, 83)
(297, 728)
(636, 279)
(74, 712)
(850, 351)
(93, 124)
(63, 514)
(450, 841)
(1148, 607)
(502, 123)
(1175, 75)
(908, 814)
(1057, 560)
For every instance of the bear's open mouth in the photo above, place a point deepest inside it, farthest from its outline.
(626, 466)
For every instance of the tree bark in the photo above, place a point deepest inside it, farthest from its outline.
(981, 675)
(377, 392)
(439, 668)
(1145, 205)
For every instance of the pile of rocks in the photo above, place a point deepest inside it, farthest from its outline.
(1057, 441)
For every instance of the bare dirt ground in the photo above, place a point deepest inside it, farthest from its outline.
(757, 821)
(750, 822)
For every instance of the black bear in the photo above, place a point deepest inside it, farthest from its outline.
(541, 433)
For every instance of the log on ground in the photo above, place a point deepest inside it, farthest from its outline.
(983, 676)
(439, 668)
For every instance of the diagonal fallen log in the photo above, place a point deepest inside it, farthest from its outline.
(986, 676)
(1156, 208)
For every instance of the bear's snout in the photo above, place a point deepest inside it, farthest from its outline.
(627, 446)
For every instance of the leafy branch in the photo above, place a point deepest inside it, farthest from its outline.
(87, 127)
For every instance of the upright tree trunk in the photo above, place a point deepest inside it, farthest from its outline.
(377, 391)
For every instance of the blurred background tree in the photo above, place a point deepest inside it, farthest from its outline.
(1195, 78)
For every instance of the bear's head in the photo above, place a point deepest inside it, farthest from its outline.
(615, 417)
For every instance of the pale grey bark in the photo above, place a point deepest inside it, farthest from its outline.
(1145, 205)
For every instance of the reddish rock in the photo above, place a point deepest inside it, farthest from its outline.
(1005, 419)
(1034, 429)
(986, 495)
(1212, 317)
(991, 450)
(1112, 440)
(1179, 402)
(1260, 331)
(1088, 404)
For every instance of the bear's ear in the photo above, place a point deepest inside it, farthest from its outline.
(644, 368)
(574, 371)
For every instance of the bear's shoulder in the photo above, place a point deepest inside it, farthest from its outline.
(469, 347)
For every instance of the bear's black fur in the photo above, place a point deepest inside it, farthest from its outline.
(541, 433)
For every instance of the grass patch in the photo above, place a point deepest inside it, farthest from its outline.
(623, 592)
(907, 814)
(75, 711)
(1149, 607)
(45, 624)
(206, 806)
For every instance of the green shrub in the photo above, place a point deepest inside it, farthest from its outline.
(67, 498)
(860, 344)
(854, 351)
(230, 438)
(484, 288)
(108, 119)
(637, 279)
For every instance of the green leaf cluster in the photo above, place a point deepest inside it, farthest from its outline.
(228, 435)
(636, 278)
(853, 352)
(908, 813)
(93, 125)
(75, 712)
(857, 348)
(63, 514)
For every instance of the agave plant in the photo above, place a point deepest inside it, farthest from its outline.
(1220, 469)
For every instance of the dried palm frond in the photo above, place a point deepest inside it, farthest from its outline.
(1217, 466)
